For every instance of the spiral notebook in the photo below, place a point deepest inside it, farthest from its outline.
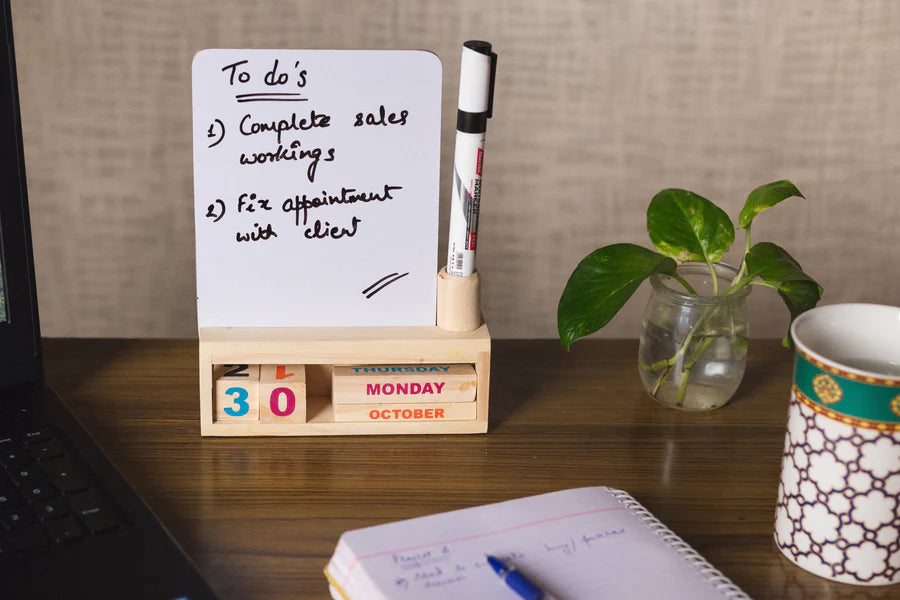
(593, 542)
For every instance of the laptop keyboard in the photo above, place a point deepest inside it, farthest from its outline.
(46, 499)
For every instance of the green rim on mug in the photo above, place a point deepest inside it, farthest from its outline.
(837, 387)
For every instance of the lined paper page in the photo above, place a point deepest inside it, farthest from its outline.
(575, 544)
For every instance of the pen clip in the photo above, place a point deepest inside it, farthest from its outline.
(490, 109)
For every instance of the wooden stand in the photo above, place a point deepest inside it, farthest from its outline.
(322, 348)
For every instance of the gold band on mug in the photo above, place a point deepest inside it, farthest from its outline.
(852, 421)
(848, 374)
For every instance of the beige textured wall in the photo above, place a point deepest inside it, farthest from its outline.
(598, 106)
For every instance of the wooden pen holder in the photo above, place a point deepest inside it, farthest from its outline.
(458, 301)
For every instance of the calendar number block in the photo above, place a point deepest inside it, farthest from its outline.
(282, 394)
(237, 392)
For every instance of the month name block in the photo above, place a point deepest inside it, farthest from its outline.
(403, 384)
(443, 411)
(282, 394)
(237, 392)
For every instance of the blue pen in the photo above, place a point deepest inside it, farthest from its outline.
(516, 581)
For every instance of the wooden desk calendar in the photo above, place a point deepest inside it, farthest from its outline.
(316, 177)
(323, 347)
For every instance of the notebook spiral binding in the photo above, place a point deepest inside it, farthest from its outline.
(729, 590)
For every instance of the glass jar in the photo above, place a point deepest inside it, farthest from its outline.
(693, 348)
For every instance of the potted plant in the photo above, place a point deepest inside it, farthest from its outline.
(694, 340)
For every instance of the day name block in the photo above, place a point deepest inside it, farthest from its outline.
(403, 384)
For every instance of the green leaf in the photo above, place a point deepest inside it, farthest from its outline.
(601, 284)
(798, 296)
(775, 266)
(765, 197)
(686, 226)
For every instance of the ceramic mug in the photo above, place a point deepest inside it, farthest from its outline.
(837, 514)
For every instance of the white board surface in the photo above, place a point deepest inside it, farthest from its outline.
(316, 176)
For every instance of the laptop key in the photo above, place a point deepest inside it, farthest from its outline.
(92, 513)
(23, 415)
(64, 530)
(16, 518)
(37, 434)
(46, 449)
(14, 456)
(38, 490)
(99, 521)
(65, 477)
(51, 509)
(8, 499)
(26, 474)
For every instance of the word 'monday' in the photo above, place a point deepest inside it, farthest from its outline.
(404, 389)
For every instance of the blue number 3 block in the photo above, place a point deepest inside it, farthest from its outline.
(237, 392)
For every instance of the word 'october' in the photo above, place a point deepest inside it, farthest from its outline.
(400, 414)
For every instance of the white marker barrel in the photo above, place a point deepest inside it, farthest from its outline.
(477, 67)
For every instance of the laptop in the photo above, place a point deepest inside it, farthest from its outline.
(70, 525)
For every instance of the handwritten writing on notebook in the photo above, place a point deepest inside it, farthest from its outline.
(573, 543)
(316, 176)
(441, 567)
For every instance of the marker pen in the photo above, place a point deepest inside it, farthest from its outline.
(476, 98)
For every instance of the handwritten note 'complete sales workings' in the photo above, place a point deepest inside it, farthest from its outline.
(316, 177)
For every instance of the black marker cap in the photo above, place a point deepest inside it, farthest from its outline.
(479, 46)
(476, 122)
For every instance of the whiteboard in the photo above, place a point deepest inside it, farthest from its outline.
(316, 176)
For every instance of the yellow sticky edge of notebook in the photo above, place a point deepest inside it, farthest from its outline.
(332, 581)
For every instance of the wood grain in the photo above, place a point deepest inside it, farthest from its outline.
(261, 516)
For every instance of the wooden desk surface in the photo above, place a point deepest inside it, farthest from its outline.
(261, 516)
